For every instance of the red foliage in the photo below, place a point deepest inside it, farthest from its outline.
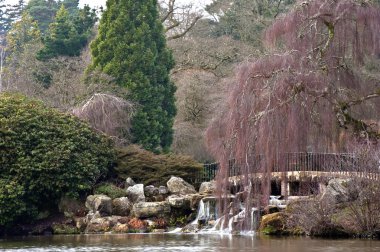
(137, 224)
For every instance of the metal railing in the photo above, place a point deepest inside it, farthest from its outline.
(341, 163)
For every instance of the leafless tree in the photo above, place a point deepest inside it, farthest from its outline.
(178, 19)
(108, 114)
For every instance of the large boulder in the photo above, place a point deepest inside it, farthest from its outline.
(151, 209)
(177, 201)
(121, 206)
(179, 186)
(207, 187)
(337, 191)
(136, 193)
(99, 203)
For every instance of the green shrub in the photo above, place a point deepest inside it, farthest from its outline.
(45, 154)
(110, 190)
(151, 169)
(11, 201)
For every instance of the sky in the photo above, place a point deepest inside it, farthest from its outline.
(93, 3)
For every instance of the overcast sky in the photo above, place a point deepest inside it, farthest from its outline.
(103, 2)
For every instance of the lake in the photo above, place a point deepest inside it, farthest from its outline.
(183, 242)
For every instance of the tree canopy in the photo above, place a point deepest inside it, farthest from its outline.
(131, 48)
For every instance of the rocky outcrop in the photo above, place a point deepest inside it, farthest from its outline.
(136, 193)
(99, 203)
(151, 209)
(336, 191)
(207, 187)
(121, 206)
(179, 186)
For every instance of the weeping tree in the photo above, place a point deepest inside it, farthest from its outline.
(108, 114)
(317, 90)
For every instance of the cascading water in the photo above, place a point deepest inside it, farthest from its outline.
(207, 220)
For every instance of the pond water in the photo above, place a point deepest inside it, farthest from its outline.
(182, 242)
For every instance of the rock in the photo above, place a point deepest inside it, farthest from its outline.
(163, 190)
(273, 224)
(129, 182)
(99, 225)
(91, 215)
(191, 228)
(194, 200)
(176, 201)
(151, 191)
(99, 203)
(120, 228)
(179, 186)
(136, 193)
(121, 206)
(151, 209)
(207, 187)
(336, 191)
(104, 224)
(81, 223)
(71, 207)
(158, 198)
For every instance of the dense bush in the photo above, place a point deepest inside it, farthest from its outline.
(45, 154)
(151, 169)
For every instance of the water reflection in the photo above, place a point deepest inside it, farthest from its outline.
(182, 242)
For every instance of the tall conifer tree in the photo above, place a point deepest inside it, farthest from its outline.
(131, 47)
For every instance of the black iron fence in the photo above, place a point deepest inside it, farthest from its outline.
(290, 162)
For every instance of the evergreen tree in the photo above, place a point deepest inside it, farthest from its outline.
(5, 21)
(43, 11)
(131, 47)
(2, 17)
(23, 32)
(72, 6)
(85, 19)
(15, 11)
(62, 38)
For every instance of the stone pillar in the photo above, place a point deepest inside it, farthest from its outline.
(285, 188)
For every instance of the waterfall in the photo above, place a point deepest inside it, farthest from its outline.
(207, 221)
